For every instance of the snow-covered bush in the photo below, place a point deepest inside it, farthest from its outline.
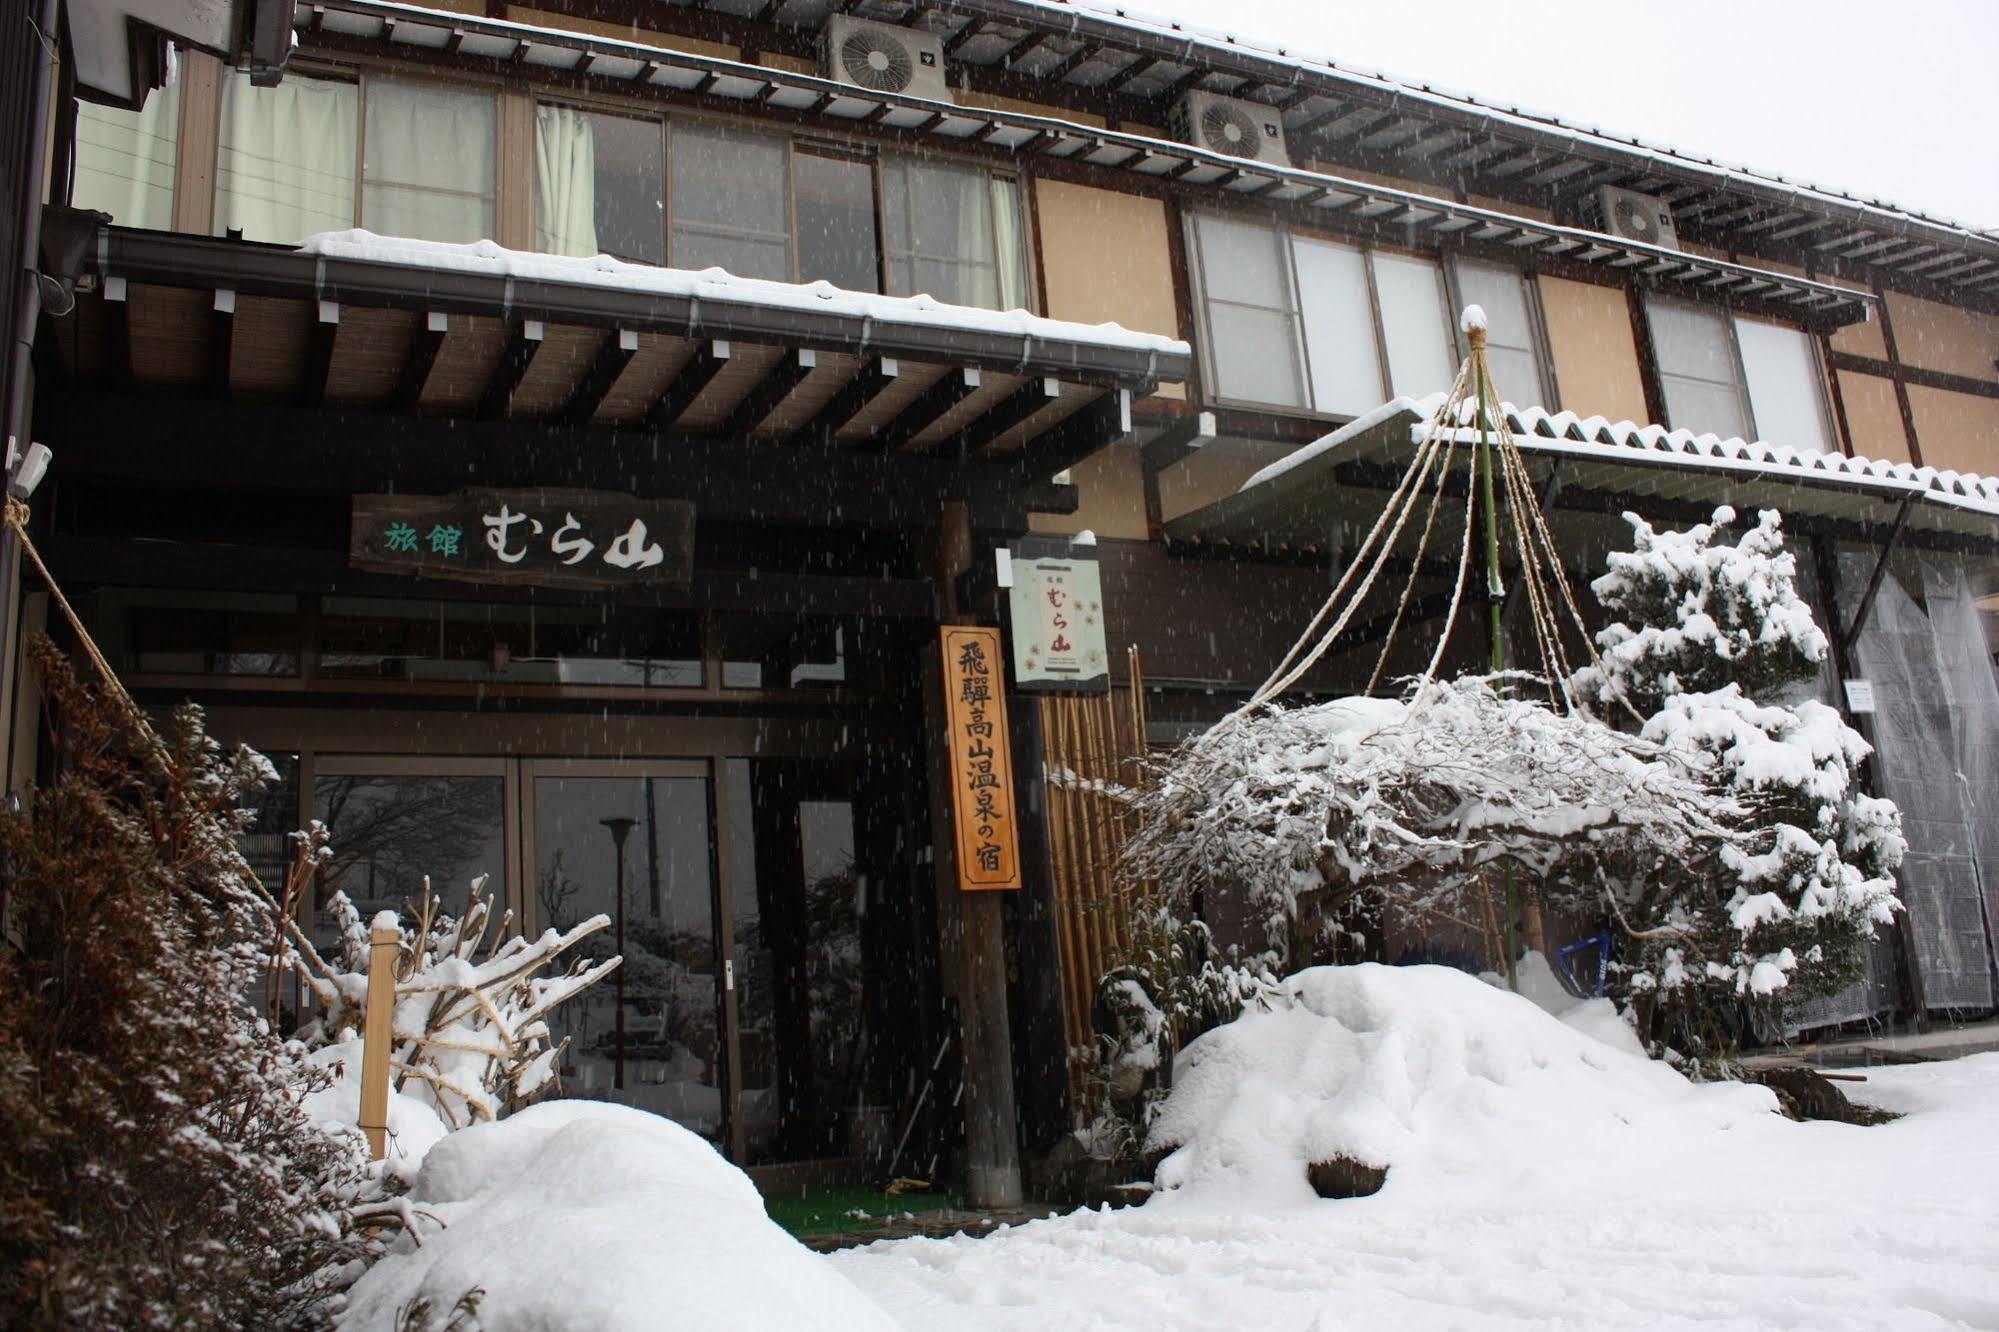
(158, 1164)
(1409, 803)
(1716, 648)
(471, 1031)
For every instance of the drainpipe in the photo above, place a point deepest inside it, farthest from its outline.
(23, 316)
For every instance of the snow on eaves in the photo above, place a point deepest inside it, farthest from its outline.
(1196, 36)
(486, 258)
(1599, 437)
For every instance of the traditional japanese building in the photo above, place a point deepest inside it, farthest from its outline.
(511, 418)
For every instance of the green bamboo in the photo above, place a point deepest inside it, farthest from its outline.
(1495, 591)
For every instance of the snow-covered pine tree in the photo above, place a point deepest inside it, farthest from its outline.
(159, 1167)
(1714, 645)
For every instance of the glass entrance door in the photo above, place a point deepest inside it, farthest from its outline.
(651, 1034)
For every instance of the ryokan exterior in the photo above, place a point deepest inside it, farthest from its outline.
(281, 463)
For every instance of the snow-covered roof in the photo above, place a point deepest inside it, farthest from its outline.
(718, 287)
(1282, 503)
(1202, 40)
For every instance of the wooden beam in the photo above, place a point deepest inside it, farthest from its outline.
(1021, 49)
(237, 448)
(963, 37)
(709, 360)
(221, 340)
(1130, 74)
(1183, 85)
(118, 333)
(1177, 441)
(610, 362)
(425, 341)
(875, 377)
(930, 407)
(764, 397)
(513, 365)
(1009, 413)
(319, 354)
(1103, 422)
(1072, 62)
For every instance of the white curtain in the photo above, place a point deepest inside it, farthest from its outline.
(1007, 241)
(125, 160)
(429, 166)
(285, 166)
(565, 182)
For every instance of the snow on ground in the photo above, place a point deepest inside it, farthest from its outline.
(1542, 1174)
(582, 1215)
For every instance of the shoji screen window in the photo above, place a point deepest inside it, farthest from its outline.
(284, 166)
(729, 195)
(1786, 389)
(125, 160)
(953, 233)
(1729, 375)
(427, 165)
(598, 185)
(1511, 343)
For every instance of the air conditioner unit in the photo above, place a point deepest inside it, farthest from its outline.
(884, 59)
(1233, 126)
(1636, 217)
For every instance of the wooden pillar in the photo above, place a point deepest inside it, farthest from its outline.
(992, 1148)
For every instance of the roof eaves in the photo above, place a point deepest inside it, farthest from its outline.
(1815, 303)
(1233, 55)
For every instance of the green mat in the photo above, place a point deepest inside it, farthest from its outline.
(835, 1211)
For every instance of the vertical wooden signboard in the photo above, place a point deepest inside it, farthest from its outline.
(982, 797)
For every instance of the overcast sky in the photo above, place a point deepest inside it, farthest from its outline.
(1890, 99)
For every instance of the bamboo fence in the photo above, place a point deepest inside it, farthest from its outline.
(1093, 751)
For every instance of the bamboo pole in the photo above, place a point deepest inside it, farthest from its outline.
(1074, 1019)
(377, 1036)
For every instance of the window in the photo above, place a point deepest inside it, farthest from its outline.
(1291, 321)
(597, 183)
(730, 198)
(1252, 322)
(125, 160)
(1728, 375)
(1786, 395)
(427, 167)
(1510, 343)
(838, 241)
(284, 166)
(397, 639)
(157, 631)
(953, 233)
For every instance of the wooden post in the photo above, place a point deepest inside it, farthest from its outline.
(992, 1149)
(378, 1036)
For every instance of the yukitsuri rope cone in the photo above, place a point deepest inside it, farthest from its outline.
(1470, 416)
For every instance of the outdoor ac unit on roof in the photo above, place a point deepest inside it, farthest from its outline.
(1233, 126)
(1636, 217)
(884, 59)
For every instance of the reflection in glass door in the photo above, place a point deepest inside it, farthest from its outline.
(669, 1053)
(393, 821)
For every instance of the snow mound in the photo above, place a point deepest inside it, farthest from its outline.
(1430, 1072)
(414, 1127)
(584, 1215)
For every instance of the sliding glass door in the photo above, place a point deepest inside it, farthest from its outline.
(653, 1033)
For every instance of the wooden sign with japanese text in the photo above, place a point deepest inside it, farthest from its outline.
(545, 537)
(982, 799)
